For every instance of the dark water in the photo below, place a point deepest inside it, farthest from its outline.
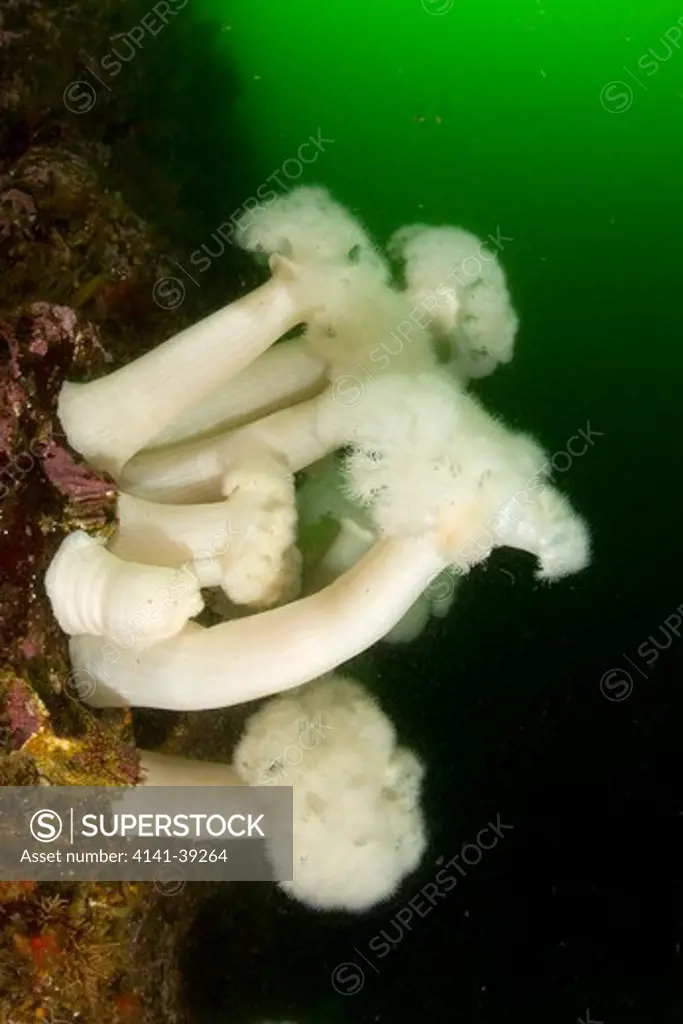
(558, 123)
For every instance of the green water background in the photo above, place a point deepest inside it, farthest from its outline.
(558, 124)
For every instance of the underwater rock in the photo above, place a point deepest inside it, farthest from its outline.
(77, 268)
(46, 736)
(42, 489)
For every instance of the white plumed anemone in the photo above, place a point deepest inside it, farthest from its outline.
(286, 441)
(317, 250)
(169, 770)
(94, 592)
(427, 460)
(263, 654)
(324, 497)
(371, 324)
(358, 825)
(461, 287)
(309, 227)
(242, 543)
(378, 330)
(287, 373)
(297, 436)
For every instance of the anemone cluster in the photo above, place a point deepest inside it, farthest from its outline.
(230, 452)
